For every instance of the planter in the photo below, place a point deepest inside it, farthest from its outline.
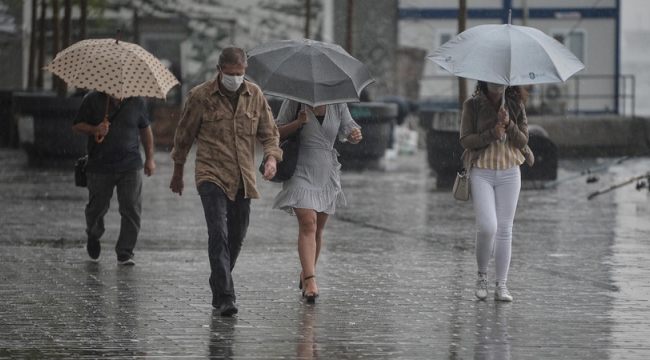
(376, 121)
(444, 151)
(164, 120)
(8, 125)
(45, 127)
(442, 127)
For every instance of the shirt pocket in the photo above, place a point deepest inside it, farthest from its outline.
(250, 122)
(215, 123)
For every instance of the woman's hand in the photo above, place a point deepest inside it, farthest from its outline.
(355, 136)
(503, 117)
(302, 117)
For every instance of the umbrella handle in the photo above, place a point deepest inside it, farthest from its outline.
(100, 138)
(503, 105)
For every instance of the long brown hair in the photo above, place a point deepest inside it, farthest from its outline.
(517, 93)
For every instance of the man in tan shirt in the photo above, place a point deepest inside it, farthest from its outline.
(225, 116)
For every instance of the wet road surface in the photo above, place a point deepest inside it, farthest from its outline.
(396, 274)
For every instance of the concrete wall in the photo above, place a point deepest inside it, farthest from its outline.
(11, 37)
(594, 136)
(374, 40)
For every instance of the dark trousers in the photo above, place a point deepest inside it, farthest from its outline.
(129, 198)
(227, 224)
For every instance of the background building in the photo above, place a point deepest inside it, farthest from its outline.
(590, 29)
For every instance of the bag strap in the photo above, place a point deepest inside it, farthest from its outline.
(295, 116)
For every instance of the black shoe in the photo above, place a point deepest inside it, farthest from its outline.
(94, 248)
(228, 308)
(127, 262)
(312, 295)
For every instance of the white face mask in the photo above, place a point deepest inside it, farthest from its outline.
(232, 82)
(496, 88)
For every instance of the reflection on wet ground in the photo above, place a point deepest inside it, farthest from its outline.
(396, 274)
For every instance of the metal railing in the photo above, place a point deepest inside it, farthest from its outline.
(580, 94)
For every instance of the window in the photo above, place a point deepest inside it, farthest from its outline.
(443, 36)
(574, 41)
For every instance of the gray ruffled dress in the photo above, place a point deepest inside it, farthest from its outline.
(316, 182)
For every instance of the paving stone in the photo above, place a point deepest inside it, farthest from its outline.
(396, 274)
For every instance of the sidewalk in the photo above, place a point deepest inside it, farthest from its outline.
(396, 275)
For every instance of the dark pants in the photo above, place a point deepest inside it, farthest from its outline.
(129, 197)
(227, 224)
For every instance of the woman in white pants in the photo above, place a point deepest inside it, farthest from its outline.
(494, 134)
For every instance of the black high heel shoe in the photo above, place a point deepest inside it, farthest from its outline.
(300, 283)
(311, 296)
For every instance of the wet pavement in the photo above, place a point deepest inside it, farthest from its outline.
(396, 274)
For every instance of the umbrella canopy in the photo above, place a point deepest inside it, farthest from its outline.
(311, 72)
(118, 68)
(507, 54)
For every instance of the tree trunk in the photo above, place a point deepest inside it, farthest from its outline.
(84, 19)
(462, 82)
(308, 20)
(136, 27)
(56, 41)
(67, 24)
(41, 46)
(62, 88)
(32, 48)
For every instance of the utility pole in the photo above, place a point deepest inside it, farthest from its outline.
(350, 27)
(31, 80)
(462, 20)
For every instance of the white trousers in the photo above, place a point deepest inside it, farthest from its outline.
(494, 195)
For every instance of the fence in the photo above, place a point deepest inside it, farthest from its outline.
(580, 94)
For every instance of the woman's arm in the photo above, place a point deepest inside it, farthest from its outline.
(470, 138)
(289, 119)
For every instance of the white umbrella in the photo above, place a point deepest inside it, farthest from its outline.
(507, 54)
(311, 72)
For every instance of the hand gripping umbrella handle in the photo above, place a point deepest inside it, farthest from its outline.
(100, 138)
(503, 105)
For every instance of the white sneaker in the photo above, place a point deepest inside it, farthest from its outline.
(501, 293)
(481, 291)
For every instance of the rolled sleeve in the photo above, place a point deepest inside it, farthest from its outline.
(347, 122)
(268, 134)
(187, 129)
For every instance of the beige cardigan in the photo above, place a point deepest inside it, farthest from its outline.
(477, 128)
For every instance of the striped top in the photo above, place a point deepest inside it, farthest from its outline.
(499, 156)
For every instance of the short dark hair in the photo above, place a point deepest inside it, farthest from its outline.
(232, 56)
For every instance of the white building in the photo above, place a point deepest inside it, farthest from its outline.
(590, 29)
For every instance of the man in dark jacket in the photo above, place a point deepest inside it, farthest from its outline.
(114, 162)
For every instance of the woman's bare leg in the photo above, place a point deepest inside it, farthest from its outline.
(307, 225)
(321, 220)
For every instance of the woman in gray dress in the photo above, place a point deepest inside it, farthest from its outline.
(314, 190)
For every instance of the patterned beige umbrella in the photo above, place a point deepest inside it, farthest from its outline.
(118, 68)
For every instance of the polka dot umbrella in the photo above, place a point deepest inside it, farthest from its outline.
(118, 68)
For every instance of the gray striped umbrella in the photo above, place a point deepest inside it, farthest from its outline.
(311, 72)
